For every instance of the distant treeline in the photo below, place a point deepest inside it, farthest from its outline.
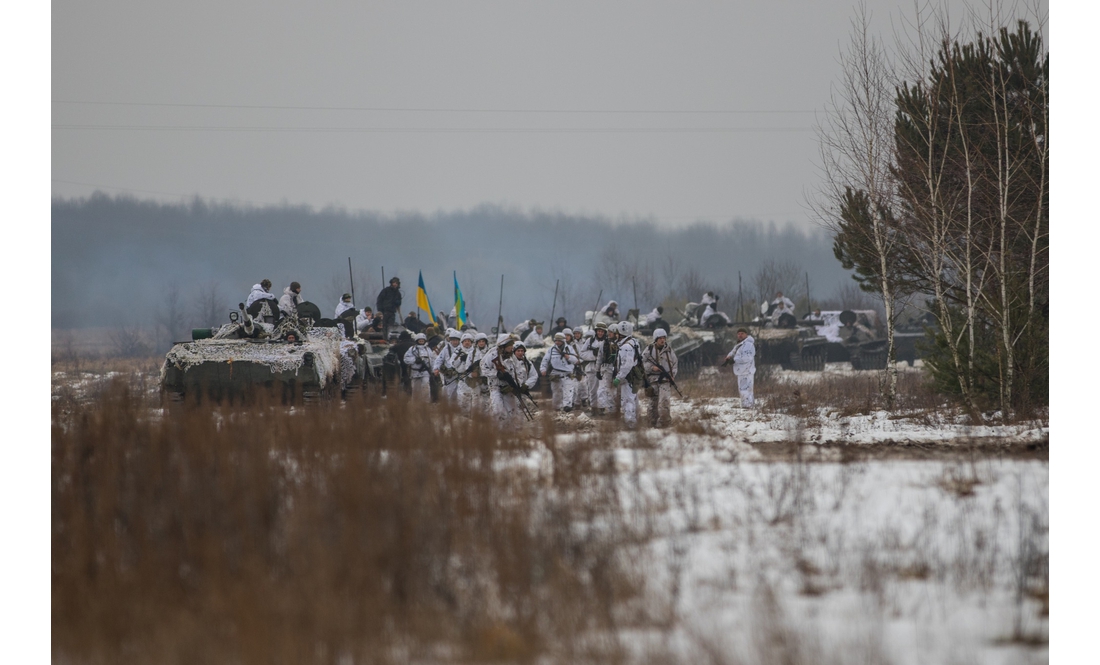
(122, 261)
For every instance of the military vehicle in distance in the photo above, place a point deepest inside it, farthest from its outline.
(294, 360)
(853, 336)
(783, 342)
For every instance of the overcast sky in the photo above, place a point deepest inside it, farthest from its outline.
(672, 110)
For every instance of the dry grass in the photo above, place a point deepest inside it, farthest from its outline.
(362, 533)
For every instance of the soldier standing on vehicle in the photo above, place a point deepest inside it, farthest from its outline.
(389, 303)
(419, 359)
(660, 365)
(743, 358)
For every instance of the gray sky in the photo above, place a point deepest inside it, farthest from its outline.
(443, 105)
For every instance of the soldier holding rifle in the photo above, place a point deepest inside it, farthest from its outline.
(660, 365)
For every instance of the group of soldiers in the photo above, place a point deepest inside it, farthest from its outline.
(602, 367)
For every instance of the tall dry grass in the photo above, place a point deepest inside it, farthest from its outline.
(369, 532)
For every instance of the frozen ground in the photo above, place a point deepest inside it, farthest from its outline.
(830, 538)
(796, 561)
(827, 537)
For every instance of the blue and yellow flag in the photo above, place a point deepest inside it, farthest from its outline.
(460, 306)
(422, 299)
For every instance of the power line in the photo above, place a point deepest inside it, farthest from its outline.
(430, 110)
(433, 130)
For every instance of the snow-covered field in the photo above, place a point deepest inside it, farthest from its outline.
(830, 538)
(873, 561)
(826, 537)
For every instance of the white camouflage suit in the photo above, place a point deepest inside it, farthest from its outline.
(482, 401)
(606, 394)
(501, 405)
(743, 355)
(587, 357)
(591, 354)
(465, 381)
(660, 404)
(442, 365)
(557, 366)
(419, 359)
(628, 354)
(527, 375)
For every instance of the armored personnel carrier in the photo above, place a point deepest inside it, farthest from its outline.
(778, 342)
(852, 336)
(293, 360)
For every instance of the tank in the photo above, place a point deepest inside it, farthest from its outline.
(293, 360)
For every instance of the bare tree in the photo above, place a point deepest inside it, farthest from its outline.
(209, 307)
(773, 276)
(856, 144)
(171, 317)
(613, 272)
(692, 284)
(128, 342)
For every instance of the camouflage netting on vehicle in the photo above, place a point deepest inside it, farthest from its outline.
(775, 333)
(330, 358)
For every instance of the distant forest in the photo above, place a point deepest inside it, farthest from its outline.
(125, 261)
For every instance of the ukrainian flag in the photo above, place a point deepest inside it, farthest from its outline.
(422, 299)
(460, 305)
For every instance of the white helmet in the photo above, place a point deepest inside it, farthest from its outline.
(559, 337)
(520, 345)
(453, 334)
(420, 336)
(503, 339)
(626, 328)
(660, 332)
(481, 336)
(467, 336)
(567, 331)
(590, 333)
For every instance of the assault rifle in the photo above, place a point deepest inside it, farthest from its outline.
(520, 392)
(663, 374)
(462, 375)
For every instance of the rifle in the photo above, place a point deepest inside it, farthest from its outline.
(520, 392)
(462, 375)
(526, 392)
(663, 374)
